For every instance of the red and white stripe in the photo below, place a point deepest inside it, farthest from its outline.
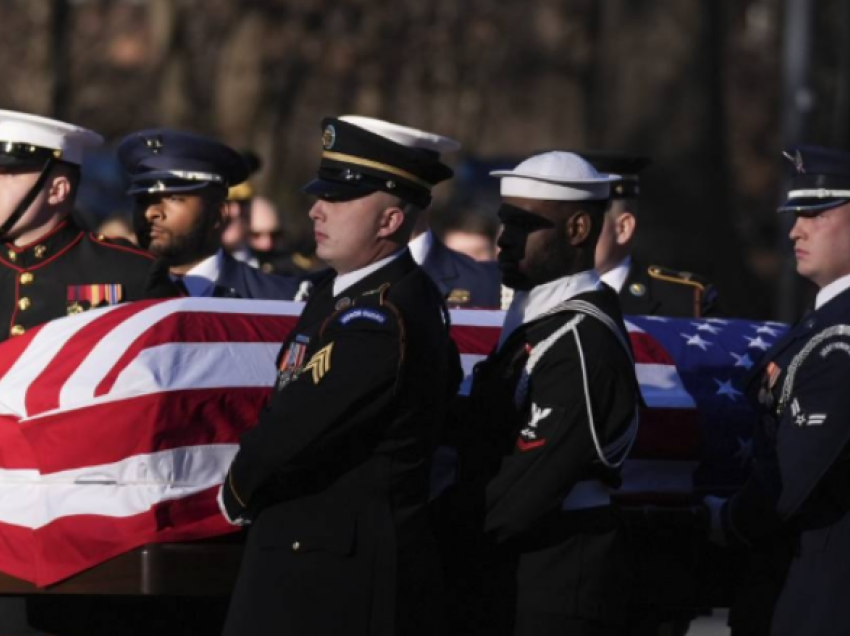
(117, 425)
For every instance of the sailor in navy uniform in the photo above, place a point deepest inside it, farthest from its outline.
(334, 478)
(49, 266)
(800, 486)
(553, 414)
(643, 290)
(180, 184)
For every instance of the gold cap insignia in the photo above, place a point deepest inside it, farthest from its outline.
(40, 251)
(329, 137)
(637, 289)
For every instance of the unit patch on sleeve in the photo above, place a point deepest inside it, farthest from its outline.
(362, 313)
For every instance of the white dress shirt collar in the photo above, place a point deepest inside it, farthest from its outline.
(344, 281)
(530, 305)
(828, 292)
(615, 278)
(420, 247)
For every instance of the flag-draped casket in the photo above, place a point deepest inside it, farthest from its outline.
(117, 425)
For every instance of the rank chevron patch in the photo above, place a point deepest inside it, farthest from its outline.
(320, 363)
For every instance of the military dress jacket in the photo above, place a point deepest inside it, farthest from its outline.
(800, 483)
(68, 271)
(335, 475)
(464, 282)
(658, 291)
(239, 280)
(546, 565)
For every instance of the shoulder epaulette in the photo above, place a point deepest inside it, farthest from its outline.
(675, 276)
(379, 293)
(119, 244)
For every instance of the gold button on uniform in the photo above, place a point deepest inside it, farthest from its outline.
(13, 256)
(24, 304)
(17, 330)
(40, 251)
(27, 278)
(296, 546)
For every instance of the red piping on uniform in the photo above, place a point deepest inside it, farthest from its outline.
(126, 248)
(24, 248)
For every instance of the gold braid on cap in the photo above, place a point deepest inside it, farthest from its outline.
(359, 161)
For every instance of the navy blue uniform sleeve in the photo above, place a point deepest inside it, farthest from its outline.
(554, 448)
(323, 420)
(812, 436)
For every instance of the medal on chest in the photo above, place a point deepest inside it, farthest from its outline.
(292, 360)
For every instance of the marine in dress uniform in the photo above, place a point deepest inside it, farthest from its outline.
(800, 486)
(49, 266)
(334, 477)
(553, 414)
(180, 181)
(643, 290)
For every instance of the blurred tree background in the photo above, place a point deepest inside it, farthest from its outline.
(699, 85)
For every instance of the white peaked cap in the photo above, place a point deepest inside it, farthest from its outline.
(404, 135)
(68, 140)
(555, 176)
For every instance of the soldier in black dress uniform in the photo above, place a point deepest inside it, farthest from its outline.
(334, 478)
(643, 290)
(180, 183)
(49, 266)
(554, 413)
(799, 492)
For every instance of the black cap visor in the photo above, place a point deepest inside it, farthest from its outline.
(811, 206)
(149, 185)
(338, 190)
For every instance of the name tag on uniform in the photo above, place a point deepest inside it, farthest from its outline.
(83, 297)
(292, 360)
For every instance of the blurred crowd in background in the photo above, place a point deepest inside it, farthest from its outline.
(710, 90)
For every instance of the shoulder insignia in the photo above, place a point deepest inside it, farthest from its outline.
(320, 363)
(120, 244)
(530, 437)
(803, 419)
(675, 276)
(362, 313)
(459, 297)
(381, 292)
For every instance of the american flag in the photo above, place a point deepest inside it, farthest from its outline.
(118, 425)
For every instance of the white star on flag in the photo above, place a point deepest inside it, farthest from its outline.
(726, 388)
(742, 361)
(704, 326)
(757, 343)
(657, 318)
(696, 341)
(717, 321)
(770, 331)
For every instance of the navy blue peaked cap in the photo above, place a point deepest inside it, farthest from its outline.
(357, 162)
(163, 160)
(820, 179)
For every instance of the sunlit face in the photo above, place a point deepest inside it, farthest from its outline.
(822, 245)
(349, 233)
(177, 226)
